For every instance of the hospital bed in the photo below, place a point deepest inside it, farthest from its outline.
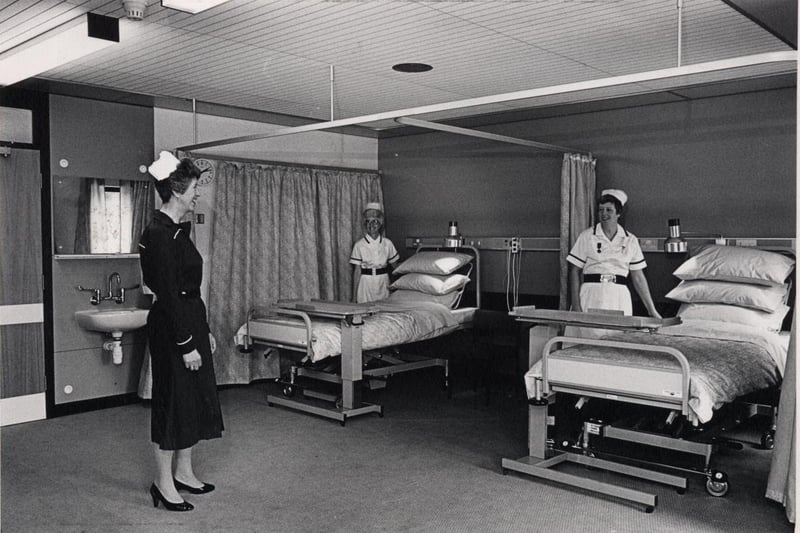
(354, 334)
(680, 372)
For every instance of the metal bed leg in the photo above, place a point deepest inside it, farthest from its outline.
(542, 459)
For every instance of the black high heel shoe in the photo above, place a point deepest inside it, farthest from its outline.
(206, 488)
(158, 497)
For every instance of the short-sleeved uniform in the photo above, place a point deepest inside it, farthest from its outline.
(373, 256)
(184, 407)
(595, 254)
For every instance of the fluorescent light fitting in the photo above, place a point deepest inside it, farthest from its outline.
(58, 46)
(191, 6)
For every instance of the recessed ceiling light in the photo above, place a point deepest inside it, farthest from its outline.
(412, 67)
(191, 6)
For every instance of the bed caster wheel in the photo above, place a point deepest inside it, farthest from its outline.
(768, 440)
(649, 509)
(717, 485)
(288, 391)
(344, 419)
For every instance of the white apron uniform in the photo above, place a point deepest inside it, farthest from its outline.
(593, 253)
(373, 254)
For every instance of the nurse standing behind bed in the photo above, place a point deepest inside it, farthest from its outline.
(601, 260)
(372, 258)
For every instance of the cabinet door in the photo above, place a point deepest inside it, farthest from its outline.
(21, 313)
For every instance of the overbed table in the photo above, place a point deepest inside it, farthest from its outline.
(351, 316)
(541, 459)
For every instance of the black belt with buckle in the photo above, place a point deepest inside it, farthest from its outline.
(605, 278)
(374, 271)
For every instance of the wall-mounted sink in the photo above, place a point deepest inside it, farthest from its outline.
(114, 321)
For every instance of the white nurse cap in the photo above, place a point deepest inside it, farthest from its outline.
(162, 167)
(616, 193)
(373, 205)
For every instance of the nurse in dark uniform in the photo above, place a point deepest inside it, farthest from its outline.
(185, 408)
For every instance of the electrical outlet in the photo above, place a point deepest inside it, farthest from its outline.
(515, 245)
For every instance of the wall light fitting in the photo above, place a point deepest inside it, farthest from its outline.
(191, 6)
(58, 46)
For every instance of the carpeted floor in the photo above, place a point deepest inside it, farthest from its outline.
(431, 464)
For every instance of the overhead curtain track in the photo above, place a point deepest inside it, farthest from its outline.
(271, 162)
(482, 135)
(641, 77)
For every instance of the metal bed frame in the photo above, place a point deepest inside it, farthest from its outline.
(297, 338)
(643, 386)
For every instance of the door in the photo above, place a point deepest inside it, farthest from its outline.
(22, 377)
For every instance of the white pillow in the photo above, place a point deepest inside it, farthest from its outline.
(439, 263)
(429, 283)
(722, 292)
(403, 295)
(735, 314)
(737, 264)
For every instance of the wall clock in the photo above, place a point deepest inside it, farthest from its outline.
(208, 171)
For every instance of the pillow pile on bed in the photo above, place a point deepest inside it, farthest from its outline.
(430, 277)
(733, 284)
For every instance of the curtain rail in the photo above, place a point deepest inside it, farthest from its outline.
(277, 163)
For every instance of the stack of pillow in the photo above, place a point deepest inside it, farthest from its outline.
(430, 277)
(735, 285)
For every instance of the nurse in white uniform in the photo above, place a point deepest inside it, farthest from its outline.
(602, 259)
(373, 258)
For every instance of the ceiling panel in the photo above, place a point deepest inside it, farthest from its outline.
(277, 55)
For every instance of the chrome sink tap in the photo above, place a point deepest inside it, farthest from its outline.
(115, 290)
(112, 295)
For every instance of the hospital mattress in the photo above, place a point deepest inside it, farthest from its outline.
(725, 361)
(396, 323)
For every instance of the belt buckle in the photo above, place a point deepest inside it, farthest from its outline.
(608, 278)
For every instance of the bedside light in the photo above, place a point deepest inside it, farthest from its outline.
(453, 239)
(675, 244)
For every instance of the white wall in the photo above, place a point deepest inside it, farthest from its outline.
(177, 128)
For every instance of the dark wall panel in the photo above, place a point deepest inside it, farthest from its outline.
(723, 164)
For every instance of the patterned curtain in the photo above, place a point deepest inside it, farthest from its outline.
(279, 232)
(782, 483)
(578, 184)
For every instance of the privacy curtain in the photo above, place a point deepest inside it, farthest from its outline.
(578, 184)
(781, 484)
(279, 232)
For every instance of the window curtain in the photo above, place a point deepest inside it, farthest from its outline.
(142, 203)
(781, 484)
(279, 232)
(578, 184)
(111, 221)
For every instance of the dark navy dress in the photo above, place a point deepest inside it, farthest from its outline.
(185, 406)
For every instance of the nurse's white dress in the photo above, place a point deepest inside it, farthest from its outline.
(594, 253)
